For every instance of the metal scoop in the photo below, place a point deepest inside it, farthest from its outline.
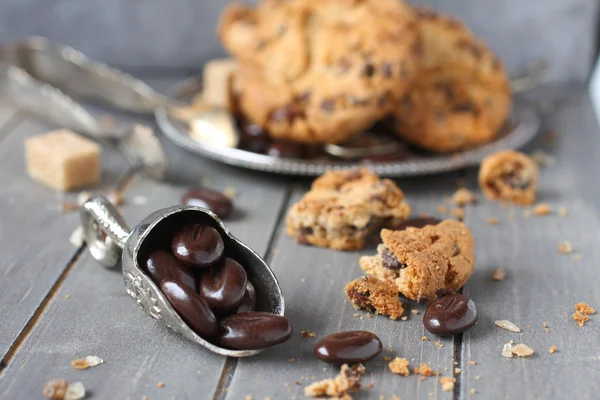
(110, 241)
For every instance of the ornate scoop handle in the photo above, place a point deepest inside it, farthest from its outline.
(105, 230)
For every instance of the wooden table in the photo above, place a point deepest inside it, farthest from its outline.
(58, 304)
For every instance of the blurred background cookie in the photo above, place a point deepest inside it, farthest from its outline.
(321, 71)
(461, 95)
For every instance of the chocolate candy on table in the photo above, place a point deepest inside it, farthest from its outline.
(161, 264)
(283, 149)
(348, 347)
(449, 315)
(223, 285)
(191, 308)
(418, 222)
(253, 330)
(248, 302)
(253, 138)
(198, 245)
(206, 198)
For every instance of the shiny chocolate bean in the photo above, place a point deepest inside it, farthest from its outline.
(223, 285)
(418, 222)
(198, 245)
(253, 138)
(281, 149)
(248, 302)
(162, 264)
(450, 314)
(206, 198)
(253, 330)
(191, 308)
(348, 347)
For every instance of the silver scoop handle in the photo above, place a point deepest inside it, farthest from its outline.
(99, 216)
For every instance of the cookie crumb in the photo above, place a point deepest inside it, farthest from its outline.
(522, 350)
(424, 370)
(562, 211)
(60, 389)
(400, 366)
(442, 209)
(463, 197)
(67, 296)
(292, 360)
(473, 362)
(492, 221)
(458, 213)
(387, 358)
(499, 274)
(552, 350)
(87, 362)
(67, 207)
(347, 381)
(415, 312)
(507, 350)
(542, 209)
(404, 318)
(424, 338)
(447, 383)
(457, 371)
(160, 385)
(542, 158)
(584, 308)
(472, 391)
(307, 334)
(576, 257)
(565, 247)
(509, 326)
(438, 344)
(526, 213)
(230, 192)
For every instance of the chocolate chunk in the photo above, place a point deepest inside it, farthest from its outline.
(284, 149)
(450, 315)
(223, 286)
(209, 199)
(369, 70)
(162, 264)
(418, 222)
(253, 330)
(328, 105)
(391, 262)
(515, 181)
(348, 347)
(359, 297)
(191, 308)
(198, 245)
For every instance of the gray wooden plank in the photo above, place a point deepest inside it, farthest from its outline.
(313, 281)
(7, 112)
(99, 318)
(34, 233)
(541, 285)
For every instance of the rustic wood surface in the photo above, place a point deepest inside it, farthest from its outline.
(58, 304)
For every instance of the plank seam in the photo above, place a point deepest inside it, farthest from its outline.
(39, 311)
(10, 124)
(231, 363)
(45, 303)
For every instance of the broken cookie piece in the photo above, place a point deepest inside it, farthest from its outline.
(347, 381)
(375, 295)
(63, 160)
(509, 175)
(344, 207)
(424, 263)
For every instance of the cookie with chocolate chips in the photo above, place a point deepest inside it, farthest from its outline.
(321, 71)
(460, 97)
(344, 207)
(375, 295)
(424, 263)
(509, 175)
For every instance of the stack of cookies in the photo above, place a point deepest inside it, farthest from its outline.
(318, 72)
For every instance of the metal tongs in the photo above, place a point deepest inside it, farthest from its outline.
(39, 75)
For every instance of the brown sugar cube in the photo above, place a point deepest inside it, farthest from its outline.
(63, 160)
(218, 82)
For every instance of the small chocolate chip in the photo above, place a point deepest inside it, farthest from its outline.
(390, 262)
(369, 70)
(307, 230)
(304, 96)
(386, 70)
(455, 250)
(328, 105)
(515, 182)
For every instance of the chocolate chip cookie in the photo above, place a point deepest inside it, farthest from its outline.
(424, 263)
(321, 71)
(461, 95)
(344, 207)
(376, 295)
(509, 175)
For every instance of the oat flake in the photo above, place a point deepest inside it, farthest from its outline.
(507, 350)
(509, 326)
(522, 350)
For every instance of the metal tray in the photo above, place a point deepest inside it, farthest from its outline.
(524, 123)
